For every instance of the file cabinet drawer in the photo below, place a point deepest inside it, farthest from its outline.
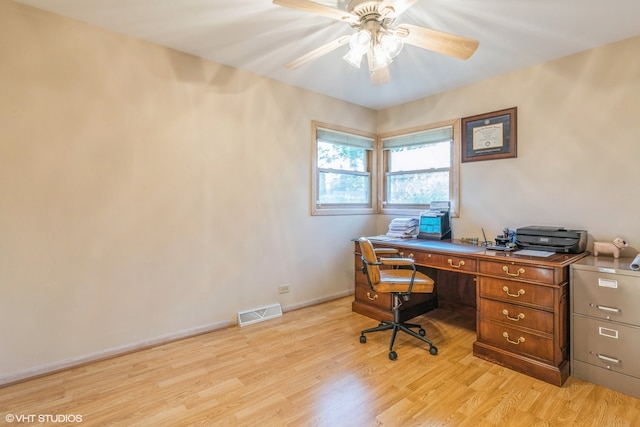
(607, 296)
(517, 316)
(517, 292)
(515, 340)
(607, 344)
(512, 270)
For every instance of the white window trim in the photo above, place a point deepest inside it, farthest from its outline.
(342, 210)
(454, 177)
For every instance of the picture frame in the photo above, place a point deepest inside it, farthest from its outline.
(490, 136)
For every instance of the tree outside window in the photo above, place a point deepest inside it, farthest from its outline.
(343, 163)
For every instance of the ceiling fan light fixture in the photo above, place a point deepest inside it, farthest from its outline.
(359, 43)
(391, 45)
(354, 57)
(379, 45)
(380, 59)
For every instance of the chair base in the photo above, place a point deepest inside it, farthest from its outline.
(396, 326)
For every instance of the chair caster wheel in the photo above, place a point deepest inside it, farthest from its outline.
(393, 355)
(433, 350)
(422, 332)
(363, 339)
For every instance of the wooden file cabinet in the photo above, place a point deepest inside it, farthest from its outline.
(605, 323)
(521, 303)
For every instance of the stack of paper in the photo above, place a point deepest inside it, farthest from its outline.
(403, 228)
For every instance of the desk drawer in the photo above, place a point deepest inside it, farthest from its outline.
(513, 270)
(517, 292)
(607, 344)
(515, 340)
(517, 316)
(448, 262)
(366, 295)
(606, 296)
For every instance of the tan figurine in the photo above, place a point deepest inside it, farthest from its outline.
(609, 248)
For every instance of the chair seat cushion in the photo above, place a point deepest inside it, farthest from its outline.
(399, 280)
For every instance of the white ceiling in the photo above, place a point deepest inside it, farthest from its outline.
(260, 37)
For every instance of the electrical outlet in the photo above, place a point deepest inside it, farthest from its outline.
(284, 289)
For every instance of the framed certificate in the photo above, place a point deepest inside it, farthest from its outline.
(490, 136)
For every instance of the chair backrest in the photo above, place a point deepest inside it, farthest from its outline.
(369, 260)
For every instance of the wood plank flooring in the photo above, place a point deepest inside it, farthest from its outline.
(308, 368)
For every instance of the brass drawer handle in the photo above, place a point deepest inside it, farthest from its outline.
(515, 319)
(506, 290)
(375, 297)
(516, 274)
(460, 263)
(506, 335)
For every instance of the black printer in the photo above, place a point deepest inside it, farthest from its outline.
(552, 239)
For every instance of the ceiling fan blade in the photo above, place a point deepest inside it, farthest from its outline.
(393, 8)
(322, 50)
(380, 76)
(318, 9)
(437, 41)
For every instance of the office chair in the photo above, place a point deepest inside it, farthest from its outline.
(401, 280)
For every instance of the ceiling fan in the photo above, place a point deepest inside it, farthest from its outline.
(376, 38)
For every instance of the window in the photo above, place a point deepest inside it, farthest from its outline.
(343, 171)
(418, 167)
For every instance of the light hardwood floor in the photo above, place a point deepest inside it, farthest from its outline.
(308, 368)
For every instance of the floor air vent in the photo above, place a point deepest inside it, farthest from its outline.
(259, 314)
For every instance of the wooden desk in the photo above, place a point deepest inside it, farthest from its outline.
(520, 302)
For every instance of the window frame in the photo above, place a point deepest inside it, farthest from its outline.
(371, 170)
(454, 171)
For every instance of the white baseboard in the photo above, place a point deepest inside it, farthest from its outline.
(316, 301)
(51, 368)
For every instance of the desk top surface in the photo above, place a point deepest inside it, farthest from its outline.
(457, 247)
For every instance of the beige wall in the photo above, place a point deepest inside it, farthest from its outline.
(146, 193)
(578, 146)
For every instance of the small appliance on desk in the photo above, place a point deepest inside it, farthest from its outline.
(505, 242)
(552, 239)
(435, 224)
